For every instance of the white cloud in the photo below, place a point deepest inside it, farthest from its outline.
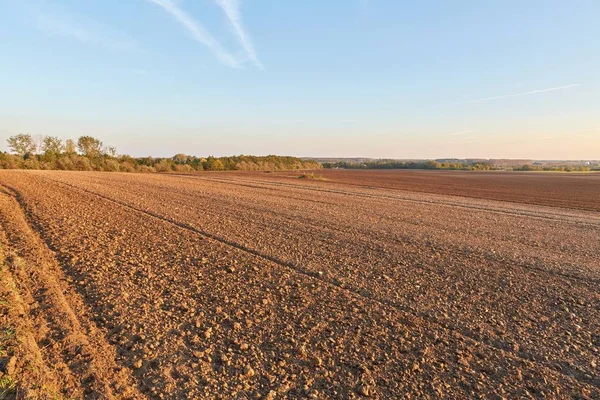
(232, 10)
(198, 32)
(59, 22)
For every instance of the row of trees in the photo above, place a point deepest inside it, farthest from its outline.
(183, 163)
(398, 164)
(476, 166)
(558, 168)
(26, 145)
(90, 154)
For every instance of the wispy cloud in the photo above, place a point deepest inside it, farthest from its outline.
(232, 10)
(521, 94)
(60, 22)
(198, 32)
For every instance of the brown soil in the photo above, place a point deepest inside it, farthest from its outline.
(554, 189)
(259, 285)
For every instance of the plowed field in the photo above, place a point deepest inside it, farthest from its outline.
(249, 285)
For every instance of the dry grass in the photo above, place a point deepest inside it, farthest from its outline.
(25, 374)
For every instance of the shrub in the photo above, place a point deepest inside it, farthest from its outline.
(82, 163)
(31, 163)
(183, 168)
(65, 163)
(8, 161)
(45, 165)
(111, 166)
(126, 166)
(145, 169)
(163, 166)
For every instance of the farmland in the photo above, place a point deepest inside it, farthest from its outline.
(362, 284)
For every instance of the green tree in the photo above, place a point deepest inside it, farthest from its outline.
(89, 146)
(52, 145)
(22, 144)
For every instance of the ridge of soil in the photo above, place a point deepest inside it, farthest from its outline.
(259, 286)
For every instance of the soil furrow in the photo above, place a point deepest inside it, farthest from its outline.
(526, 352)
(520, 213)
(297, 219)
(68, 339)
(270, 291)
(497, 345)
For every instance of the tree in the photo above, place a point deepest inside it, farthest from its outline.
(52, 145)
(163, 165)
(180, 159)
(214, 164)
(70, 146)
(22, 144)
(89, 146)
(110, 151)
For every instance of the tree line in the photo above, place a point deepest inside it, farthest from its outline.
(465, 166)
(90, 154)
(398, 164)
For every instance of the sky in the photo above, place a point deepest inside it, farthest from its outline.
(336, 78)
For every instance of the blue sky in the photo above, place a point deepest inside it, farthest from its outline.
(372, 78)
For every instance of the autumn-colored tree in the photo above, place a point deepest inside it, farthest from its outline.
(214, 164)
(89, 146)
(180, 158)
(70, 147)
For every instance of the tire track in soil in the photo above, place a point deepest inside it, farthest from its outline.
(564, 364)
(81, 345)
(467, 335)
(563, 203)
(500, 199)
(516, 214)
(558, 204)
(511, 263)
(389, 370)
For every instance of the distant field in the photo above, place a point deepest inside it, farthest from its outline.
(369, 284)
(571, 190)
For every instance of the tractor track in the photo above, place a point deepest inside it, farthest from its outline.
(468, 335)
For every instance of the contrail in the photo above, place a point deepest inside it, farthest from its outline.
(521, 94)
(198, 32)
(232, 10)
